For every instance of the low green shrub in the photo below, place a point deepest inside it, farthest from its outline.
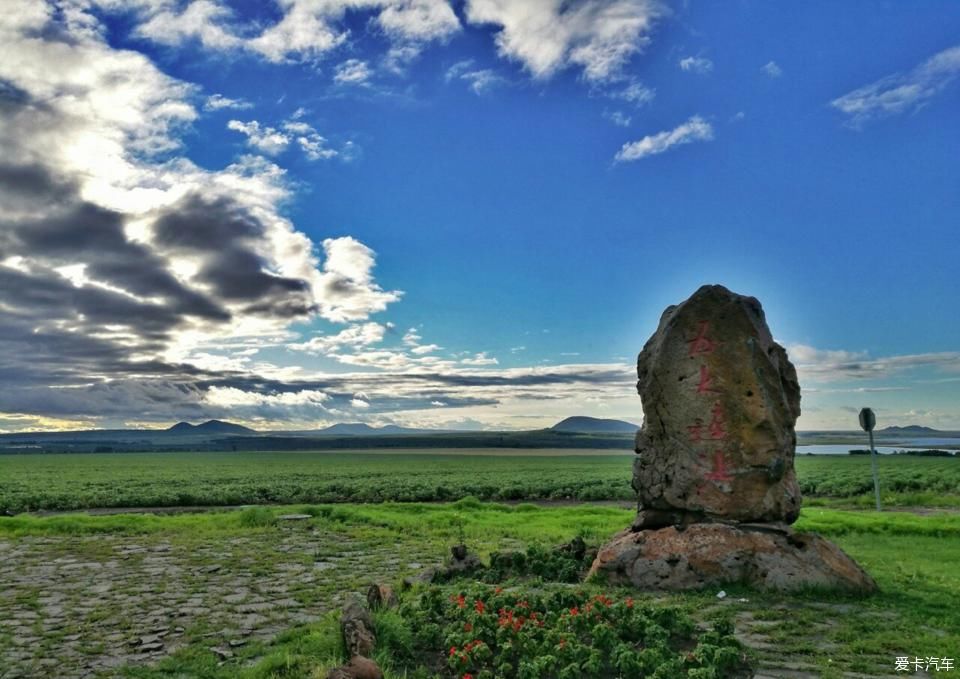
(485, 632)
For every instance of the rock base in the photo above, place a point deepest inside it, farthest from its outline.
(765, 556)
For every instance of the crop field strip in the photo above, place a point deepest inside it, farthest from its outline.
(34, 482)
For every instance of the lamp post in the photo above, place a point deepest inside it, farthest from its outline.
(868, 421)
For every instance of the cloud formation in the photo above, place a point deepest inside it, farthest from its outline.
(700, 65)
(826, 365)
(772, 70)
(120, 259)
(480, 80)
(306, 29)
(901, 92)
(695, 129)
(546, 36)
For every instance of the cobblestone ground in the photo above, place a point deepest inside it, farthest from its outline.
(80, 606)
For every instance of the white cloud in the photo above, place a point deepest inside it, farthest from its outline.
(418, 20)
(352, 72)
(480, 80)
(273, 141)
(309, 29)
(700, 65)
(314, 147)
(349, 292)
(479, 359)
(231, 397)
(618, 118)
(204, 20)
(359, 403)
(695, 129)
(358, 335)
(312, 143)
(634, 93)
(219, 102)
(772, 70)
(901, 92)
(265, 139)
(827, 365)
(597, 36)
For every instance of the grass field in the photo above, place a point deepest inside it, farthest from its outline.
(245, 593)
(242, 593)
(67, 482)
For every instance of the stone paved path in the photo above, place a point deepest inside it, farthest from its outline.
(73, 606)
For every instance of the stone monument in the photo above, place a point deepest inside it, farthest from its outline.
(714, 472)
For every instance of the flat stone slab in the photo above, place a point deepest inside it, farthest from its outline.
(711, 554)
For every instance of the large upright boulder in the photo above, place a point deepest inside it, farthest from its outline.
(720, 400)
(714, 467)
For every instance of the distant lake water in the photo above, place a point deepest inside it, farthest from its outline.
(845, 448)
(931, 443)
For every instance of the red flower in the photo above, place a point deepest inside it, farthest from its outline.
(630, 603)
(498, 590)
(453, 651)
(468, 627)
(467, 676)
(461, 601)
(574, 611)
(478, 605)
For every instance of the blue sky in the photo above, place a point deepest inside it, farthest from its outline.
(468, 215)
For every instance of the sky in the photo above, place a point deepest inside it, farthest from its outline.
(293, 213)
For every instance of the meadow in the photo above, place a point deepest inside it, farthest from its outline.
(34, 482)
(245, 593)
(254, 592)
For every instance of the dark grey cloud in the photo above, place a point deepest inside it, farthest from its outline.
(201, 224)
(225, 234)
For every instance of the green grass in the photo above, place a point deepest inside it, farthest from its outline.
(68, 482)
(915, 560)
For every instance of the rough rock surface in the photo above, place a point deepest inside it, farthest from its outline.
(357, 625)
(720, 399)
(766, 556)
(381, 596)
(358, 668)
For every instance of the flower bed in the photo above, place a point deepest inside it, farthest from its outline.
(479, 631)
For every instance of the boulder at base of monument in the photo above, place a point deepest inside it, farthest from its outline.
(714, 554)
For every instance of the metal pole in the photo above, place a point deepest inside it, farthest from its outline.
(876, 478)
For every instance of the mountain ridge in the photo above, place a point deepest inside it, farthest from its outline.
(209, 427)
(592, 425)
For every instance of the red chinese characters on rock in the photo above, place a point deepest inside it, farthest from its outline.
(716, 429)
(705, 385)
(719, 471)
(701, 344)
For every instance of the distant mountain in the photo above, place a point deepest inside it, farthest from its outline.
(910, 429)
(361, 429)
(209, 427)
(593, 425)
